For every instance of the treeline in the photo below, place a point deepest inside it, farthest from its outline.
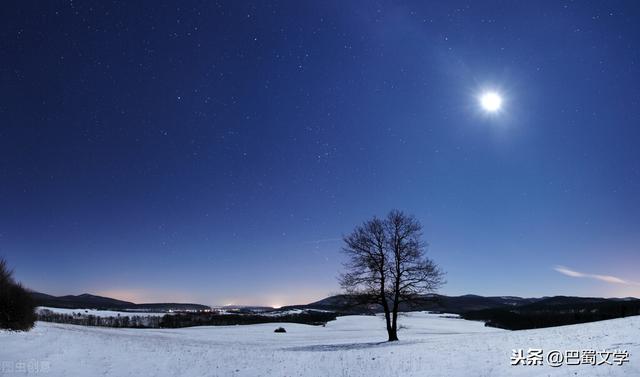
(212, 319)
(136, 321)
(17, 309)
(538, 316)
(183, 319)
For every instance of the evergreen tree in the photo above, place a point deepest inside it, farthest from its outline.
(17, 308)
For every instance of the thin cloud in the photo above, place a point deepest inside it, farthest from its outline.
(606, 278)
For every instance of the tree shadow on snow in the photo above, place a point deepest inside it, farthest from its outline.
(347, 346)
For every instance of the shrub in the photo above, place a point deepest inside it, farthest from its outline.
(17, 308)
(280, 329)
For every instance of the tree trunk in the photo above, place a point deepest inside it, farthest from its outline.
(387, 317)
(393, 334)
(385, 306)
(393, 331)
(396, 306)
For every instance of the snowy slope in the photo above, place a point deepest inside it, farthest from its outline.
(431, 345)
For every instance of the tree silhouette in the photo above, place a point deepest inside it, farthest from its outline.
(387, 265)
(17, 309)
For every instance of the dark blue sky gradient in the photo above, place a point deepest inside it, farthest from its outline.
(217, 152)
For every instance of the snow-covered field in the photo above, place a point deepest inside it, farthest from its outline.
(430, 345)
(100, 313)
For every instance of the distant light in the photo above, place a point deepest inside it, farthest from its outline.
(491, 101)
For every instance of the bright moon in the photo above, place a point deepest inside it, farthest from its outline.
(491, 101)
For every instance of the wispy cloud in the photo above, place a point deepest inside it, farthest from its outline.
(606, 278)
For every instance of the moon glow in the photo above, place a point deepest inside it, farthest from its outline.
(491, 102)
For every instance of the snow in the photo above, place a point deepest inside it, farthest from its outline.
(430, 344)
(281, 313)
(101, 313)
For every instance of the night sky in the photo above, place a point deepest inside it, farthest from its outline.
(216, 152)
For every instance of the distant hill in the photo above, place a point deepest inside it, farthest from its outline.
(454, 304)
(556, 311)
(80, 301)
(88, 301)
(507, 312)
(432, 302)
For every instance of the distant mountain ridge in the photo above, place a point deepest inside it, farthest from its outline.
(454, 304)
(345, 304)
(89, 301)
(431, 302)
(556, 311)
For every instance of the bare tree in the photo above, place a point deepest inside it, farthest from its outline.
(386, 265)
